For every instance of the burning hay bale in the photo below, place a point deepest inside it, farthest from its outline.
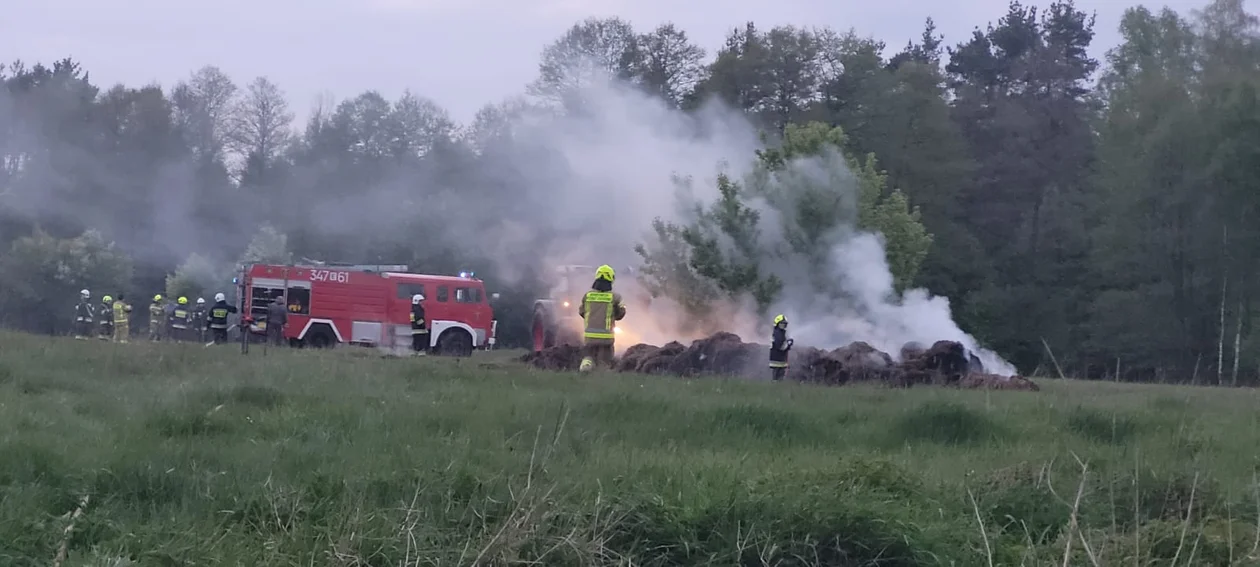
(559, 357)
(945, 363)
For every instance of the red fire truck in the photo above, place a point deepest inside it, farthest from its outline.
(368, 305)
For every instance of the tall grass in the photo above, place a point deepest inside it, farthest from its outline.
(183, 455)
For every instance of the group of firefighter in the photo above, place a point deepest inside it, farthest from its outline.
(599, 309)
(110, 320)
(602, 307)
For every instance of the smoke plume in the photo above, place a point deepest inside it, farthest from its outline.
(620, 154)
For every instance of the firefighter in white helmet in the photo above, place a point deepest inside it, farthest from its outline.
(600, 307)
(419, 326)
(218, 320)
(199, 319)
(84, 315)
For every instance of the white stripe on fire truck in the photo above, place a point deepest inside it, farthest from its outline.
(279, 284)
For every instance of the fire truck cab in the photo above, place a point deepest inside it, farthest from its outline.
(368, 306)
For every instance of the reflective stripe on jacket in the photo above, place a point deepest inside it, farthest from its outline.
(120, 312)
(83, 312)
(179, 319)
(218, 317)
(598, 314)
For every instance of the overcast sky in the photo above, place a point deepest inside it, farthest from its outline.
(460, 53)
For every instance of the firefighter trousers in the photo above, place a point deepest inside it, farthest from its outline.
(777, 373)
(155, 331)
(599, 353)
(82, 329)
(122, 331)
(106, 331)
(420, 341)
(220, 335)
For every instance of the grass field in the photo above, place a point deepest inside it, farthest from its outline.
(184, 455)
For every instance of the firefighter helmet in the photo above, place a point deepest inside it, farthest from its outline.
(157, 298)
(85, 293)
(605, 272)
(183, 301)
(780, 319)
(417, 298)
(107, 299)
(201, 301)
(220, 297)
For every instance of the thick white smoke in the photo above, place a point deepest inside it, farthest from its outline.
(870, 310)
(622, 153)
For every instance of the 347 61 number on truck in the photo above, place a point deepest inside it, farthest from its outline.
(369, 305)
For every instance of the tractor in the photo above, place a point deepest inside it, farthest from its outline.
(556, 320)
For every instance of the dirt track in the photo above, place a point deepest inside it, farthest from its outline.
(946, 363)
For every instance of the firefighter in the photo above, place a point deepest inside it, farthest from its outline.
(157, 318)
(177, 325)
(277, 317)
(106, 331)
(217, 321)
(122, 319)
(199, 319)
(84, 316)
(419, 328)
(599, 308)
(779, 347)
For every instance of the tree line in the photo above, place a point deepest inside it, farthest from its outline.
(1095, 218)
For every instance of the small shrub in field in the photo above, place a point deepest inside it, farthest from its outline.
(188, 423)
(860, 474)
(1170, 404)
(944, 424)
(764, 423)
(1101, 427)
(262, 397)
(1019, 503)
(143, 484)
(1162, 496)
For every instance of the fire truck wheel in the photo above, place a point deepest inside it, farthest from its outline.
(544, 332)
(455, 342)
(320, 337)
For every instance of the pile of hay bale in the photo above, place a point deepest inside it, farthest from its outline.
(945, 363)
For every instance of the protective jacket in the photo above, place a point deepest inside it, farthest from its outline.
(600, 307)
(122, 312)
(219, 314)
(107, 322)
(83, 312)
(779, 347)
(418, 322)
(180, 317)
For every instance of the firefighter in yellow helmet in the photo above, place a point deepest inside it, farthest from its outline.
(122, 319)
(106, 331)
(600, 308)
(780, 344)
(179, 320)
(157, 318)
